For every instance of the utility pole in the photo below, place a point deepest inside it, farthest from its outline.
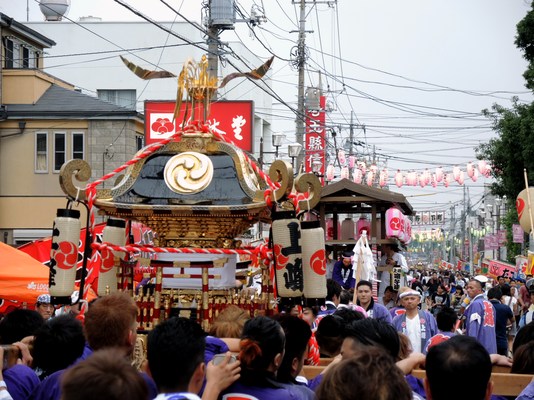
(300, 61)
(462, 245)
(351, 138)
(213, 55)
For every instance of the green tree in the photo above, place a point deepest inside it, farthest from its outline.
(513, 150)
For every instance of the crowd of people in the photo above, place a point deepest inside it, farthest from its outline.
(455, 326)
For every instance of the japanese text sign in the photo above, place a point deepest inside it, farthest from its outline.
(233, 120)
(315, 134)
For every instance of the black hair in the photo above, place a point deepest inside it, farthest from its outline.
(500, 276)
(57, 344)
(345, 297)
(298, 334)
(18, 324)
(390, 289)
(175, 350)
(314, 310)
(333, 288)
(524, 335)
(495, 293)
(261, 340)
(443, 287)
(505, 289)
(364, 283)
(348, 314)
(446, 319)
(372, 332)
(453, 360)
(329, 335)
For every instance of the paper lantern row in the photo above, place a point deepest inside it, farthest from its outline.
(361, 174)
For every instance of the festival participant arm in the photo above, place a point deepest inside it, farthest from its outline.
(4, 394)
(220, 377)
(409, 364)
(402, 263)
(336, 274)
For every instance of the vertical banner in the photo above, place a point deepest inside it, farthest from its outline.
(315, 139)
(518, 233)
(502, 237)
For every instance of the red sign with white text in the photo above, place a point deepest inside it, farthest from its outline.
(315, 139)
(233, 120)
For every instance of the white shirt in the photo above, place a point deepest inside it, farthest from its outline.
(506, 301)
(413, 331)
(389, 306)
(385, 276)
(329, 268)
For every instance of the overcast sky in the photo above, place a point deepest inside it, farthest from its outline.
(416, 73)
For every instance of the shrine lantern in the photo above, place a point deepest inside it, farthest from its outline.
(330, 172)
(411, 178)
(475, 175)
(114, 233)
(363, 225)
(384, 177)
(398, 178)
(456, 173)
(402, 232)
(439, 174)
(427, 176)
(345, 172)
(393, 222)
(330, 230)
(341, 157)
(434, 181)
(447, 180)
(470, 169)
(287, 252)
(461, 178)
(370, 178)
(351, 162)
(64, 256)
(347, 229)
(482, 167)
(313, 263)
(422, 179)
(357, 175)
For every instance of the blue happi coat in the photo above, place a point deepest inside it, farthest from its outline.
(429, 327)
(480, 323)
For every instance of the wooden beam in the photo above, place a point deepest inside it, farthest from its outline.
(347, 199)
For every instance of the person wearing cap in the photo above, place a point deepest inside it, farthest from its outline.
(390, 258)
(343, 271)
(44, 307)
(418, 325)
(480, 315)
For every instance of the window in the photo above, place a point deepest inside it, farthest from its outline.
(9, 53)
(139, 140)
(25, 57)
(36, 60)
(59, 150)
(78, 146)
(123, 98)
(16, 55)
(41, 152)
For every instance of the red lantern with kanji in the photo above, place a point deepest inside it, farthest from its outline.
(64, 256)
(398, 178)
(357, 176)
(439, 174)
(447, 180)
(313, 263)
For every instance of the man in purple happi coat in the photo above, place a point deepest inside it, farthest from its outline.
(343, 271)
(374, 310)
(418, 325)
(480, 317)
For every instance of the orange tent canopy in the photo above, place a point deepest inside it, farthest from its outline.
(22, 278)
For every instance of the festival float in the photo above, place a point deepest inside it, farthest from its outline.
(198, 193)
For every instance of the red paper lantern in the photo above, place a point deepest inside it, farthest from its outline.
(351, 162)
(330, 171)
(370, 178)
(341, 157)
(482, 167)
(456, 172)
(475, 175)
(470, 169)
(345, 172)
(488, 170)
(374, 169)
(439, 174)
(384, 177)
(434, 181)
(447, 180)
(427, 176)
(357, 175)
(422, 179)
(398, 178)
(461, 178)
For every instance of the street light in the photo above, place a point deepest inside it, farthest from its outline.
(294, 150)
(277, 138)
(316, 168)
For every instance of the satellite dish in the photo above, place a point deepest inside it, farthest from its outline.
(54, 10)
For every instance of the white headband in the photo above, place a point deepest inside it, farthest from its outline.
(410, 293)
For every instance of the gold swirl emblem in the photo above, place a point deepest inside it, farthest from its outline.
(188, 173)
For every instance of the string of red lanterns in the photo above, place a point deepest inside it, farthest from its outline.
(362, 174)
